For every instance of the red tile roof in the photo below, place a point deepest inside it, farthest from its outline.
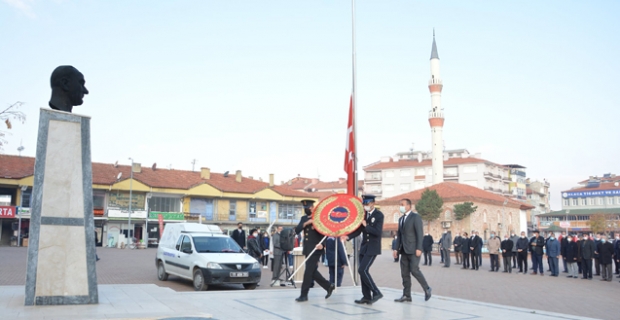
(283, 190)
(14, 167)
(456, 192)
(423, 163)
(602, 186)
(603, 179)
(298, 183)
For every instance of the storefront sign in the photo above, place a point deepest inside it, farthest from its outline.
(167, 215)
(564, 224)
(586, 194)
(23, 211)
(7, 212)
(119, 213)
(98, 212)
(121, 200)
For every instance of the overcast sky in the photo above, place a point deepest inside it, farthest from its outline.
(264, 86)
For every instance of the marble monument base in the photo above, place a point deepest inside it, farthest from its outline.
(61, 254)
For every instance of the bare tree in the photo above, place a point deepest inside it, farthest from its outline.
(8, 114)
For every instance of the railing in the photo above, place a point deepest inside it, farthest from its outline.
(435, 81)
(435, 114)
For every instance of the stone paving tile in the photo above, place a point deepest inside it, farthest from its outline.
(526, 291)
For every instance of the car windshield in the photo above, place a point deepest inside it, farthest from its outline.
(216, 244)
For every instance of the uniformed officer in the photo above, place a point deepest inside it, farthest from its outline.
(372, 229)
(312, 239)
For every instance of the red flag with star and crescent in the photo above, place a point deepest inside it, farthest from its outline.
(349, 156)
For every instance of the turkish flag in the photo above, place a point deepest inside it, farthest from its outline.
(349, 155)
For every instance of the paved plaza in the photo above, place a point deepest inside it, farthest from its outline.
(129, 289)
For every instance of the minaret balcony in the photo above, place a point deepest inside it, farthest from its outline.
(435, 114)
(434, 81)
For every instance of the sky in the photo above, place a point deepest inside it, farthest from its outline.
(264, 86)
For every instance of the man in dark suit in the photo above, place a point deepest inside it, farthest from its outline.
(475, 246)
(465, 250)
(537, 243)
(371, 229)
(617, 253)
(410, 247)
(312, 240)
(427, 247)
(239, 235)
(587, 253)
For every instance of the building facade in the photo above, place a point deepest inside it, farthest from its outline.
(171, 196)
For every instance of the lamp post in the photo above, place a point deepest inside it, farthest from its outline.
(566, 221)
(148, 213)
(129, 228)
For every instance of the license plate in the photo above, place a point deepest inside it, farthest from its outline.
(238, 274)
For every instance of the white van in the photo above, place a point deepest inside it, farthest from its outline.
(203, 254)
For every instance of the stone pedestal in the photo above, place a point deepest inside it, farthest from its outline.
(298, 259)
(61, 253)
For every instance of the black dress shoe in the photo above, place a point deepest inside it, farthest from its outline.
(363, 301)
(330, 290)
(427, 294)
(403, 299)
(302, 299)
(376, 297)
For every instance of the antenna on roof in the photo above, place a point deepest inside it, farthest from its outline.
(20, 148)
(193, 164)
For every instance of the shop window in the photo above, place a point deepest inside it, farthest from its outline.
(98, 200)
(165, 204)
(289, 211)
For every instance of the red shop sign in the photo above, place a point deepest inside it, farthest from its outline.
(7, 212)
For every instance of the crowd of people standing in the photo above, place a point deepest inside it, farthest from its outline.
(579, 255)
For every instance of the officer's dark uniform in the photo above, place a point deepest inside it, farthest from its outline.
(369, 249)
(311, 239)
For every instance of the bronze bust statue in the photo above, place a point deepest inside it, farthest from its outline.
(68, 88)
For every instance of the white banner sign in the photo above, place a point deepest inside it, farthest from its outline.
(118, 213)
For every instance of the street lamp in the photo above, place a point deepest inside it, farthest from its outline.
(566, 222)
(129, 228)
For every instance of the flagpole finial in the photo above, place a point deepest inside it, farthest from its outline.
(433, 32)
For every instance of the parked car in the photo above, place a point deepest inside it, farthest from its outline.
(203, 254)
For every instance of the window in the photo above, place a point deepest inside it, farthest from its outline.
(573, 202)
(289, 211)
(448, 215)
(582, 201)
(375, 188)
(591, 201)
(186, 244)
(405, 187)
(600, 201)
(257, 209)
(98, 200)
(375, 176)
(252, 212)
(617, 200)
(389, 174)
(27, 197)
(405, 173)
(420, 172)
(388, 187)
(164, 204)
(610, 200)
(178, 246)
(232, 210)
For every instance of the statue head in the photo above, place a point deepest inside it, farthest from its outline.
(68, 88)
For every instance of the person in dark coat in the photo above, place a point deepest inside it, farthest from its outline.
(427, 247)
(465, 250)
(475, 246)
(239, 235)
(312, 240)
(587, 253)
(596, 257)
(605, 251)
(254, 247)
(330, 254)
(372, 230)
(537, 243)
(553, 254)
(563, 244)
(506, 248)
(572, 256)
(395, 248)
(439, 245)
(457, 248)
(617, 253)
(522, 249)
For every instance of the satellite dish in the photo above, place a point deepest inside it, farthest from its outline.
(116, 164)
(226, 174)
(118, 177)
(154, 166)
(616, 184)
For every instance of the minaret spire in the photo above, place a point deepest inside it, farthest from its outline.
(435, 115)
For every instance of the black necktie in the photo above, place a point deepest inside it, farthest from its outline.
(402, 221)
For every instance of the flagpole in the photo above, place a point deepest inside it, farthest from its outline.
(355, 244)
